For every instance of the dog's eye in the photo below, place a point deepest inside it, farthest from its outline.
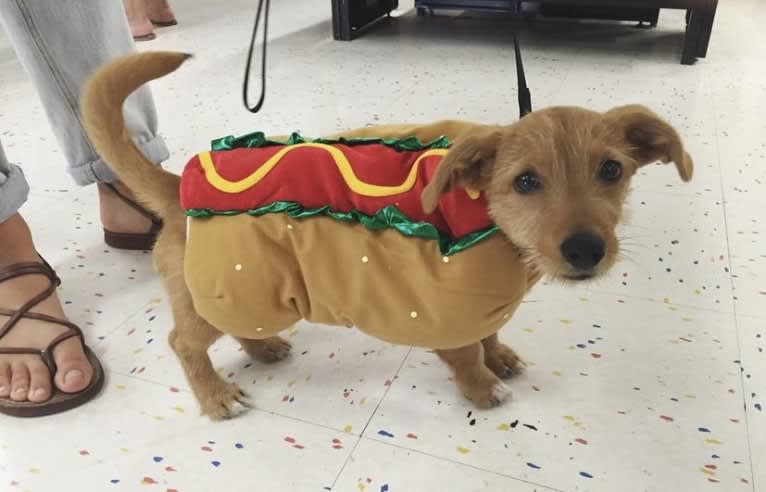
(610, 171)
(527, 183)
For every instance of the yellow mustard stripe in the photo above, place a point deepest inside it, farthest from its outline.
(354, 183)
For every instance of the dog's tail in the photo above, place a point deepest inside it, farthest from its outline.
(102, 101)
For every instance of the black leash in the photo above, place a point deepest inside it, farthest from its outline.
(246, 85)
(525, 97)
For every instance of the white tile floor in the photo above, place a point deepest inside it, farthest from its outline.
(650, 380)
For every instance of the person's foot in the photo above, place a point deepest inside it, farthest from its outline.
(160, 13)
(118, 216)
(26, 377)
(141, 27)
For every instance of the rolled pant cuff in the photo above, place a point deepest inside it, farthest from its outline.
(14, 191)
(98, 171)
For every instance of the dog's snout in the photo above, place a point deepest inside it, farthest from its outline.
(583, 250)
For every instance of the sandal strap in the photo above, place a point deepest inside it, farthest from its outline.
(16, 315)
(156, 221)
(19, 270)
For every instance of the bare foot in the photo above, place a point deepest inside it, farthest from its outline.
(26, 377)
(118, 216)
(140, 26)
(159, 12)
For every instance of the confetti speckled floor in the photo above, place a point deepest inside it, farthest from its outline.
(652, 379)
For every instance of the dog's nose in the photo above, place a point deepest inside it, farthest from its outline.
(583, 250)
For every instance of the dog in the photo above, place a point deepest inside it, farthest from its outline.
(553, 183)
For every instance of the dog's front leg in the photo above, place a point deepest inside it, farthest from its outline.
(218, 399)
(501, 358)
(192, 336)
(477, 382)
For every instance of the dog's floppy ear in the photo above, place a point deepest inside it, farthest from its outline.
(650, 138)
(468, 164)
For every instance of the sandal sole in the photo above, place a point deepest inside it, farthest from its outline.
(130, 241)
(165, 23)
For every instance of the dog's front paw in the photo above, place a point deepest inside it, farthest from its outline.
(492, 397)
(268, 350)
(225, 402)
(503, 361)
(488, 392)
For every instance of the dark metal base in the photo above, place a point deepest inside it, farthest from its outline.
(638, 14)
(351, 17)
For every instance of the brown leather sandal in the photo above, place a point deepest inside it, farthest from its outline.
(133, 240)
(59, 401)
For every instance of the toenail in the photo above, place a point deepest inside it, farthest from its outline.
(73, 377)
(39, 393)
(20, 391)
(3, 389)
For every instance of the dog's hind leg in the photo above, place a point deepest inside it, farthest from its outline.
(477, 382)
(272, 349)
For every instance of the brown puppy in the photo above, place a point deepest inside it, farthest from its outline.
(554, 181)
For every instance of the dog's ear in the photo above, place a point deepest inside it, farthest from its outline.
(468, 164)
(650, 138)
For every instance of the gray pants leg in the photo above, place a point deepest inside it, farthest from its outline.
(60, 44)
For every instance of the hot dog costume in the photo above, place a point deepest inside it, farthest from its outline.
(334, 232)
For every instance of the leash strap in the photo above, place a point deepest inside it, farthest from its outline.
(525, 97)
(263, 7)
